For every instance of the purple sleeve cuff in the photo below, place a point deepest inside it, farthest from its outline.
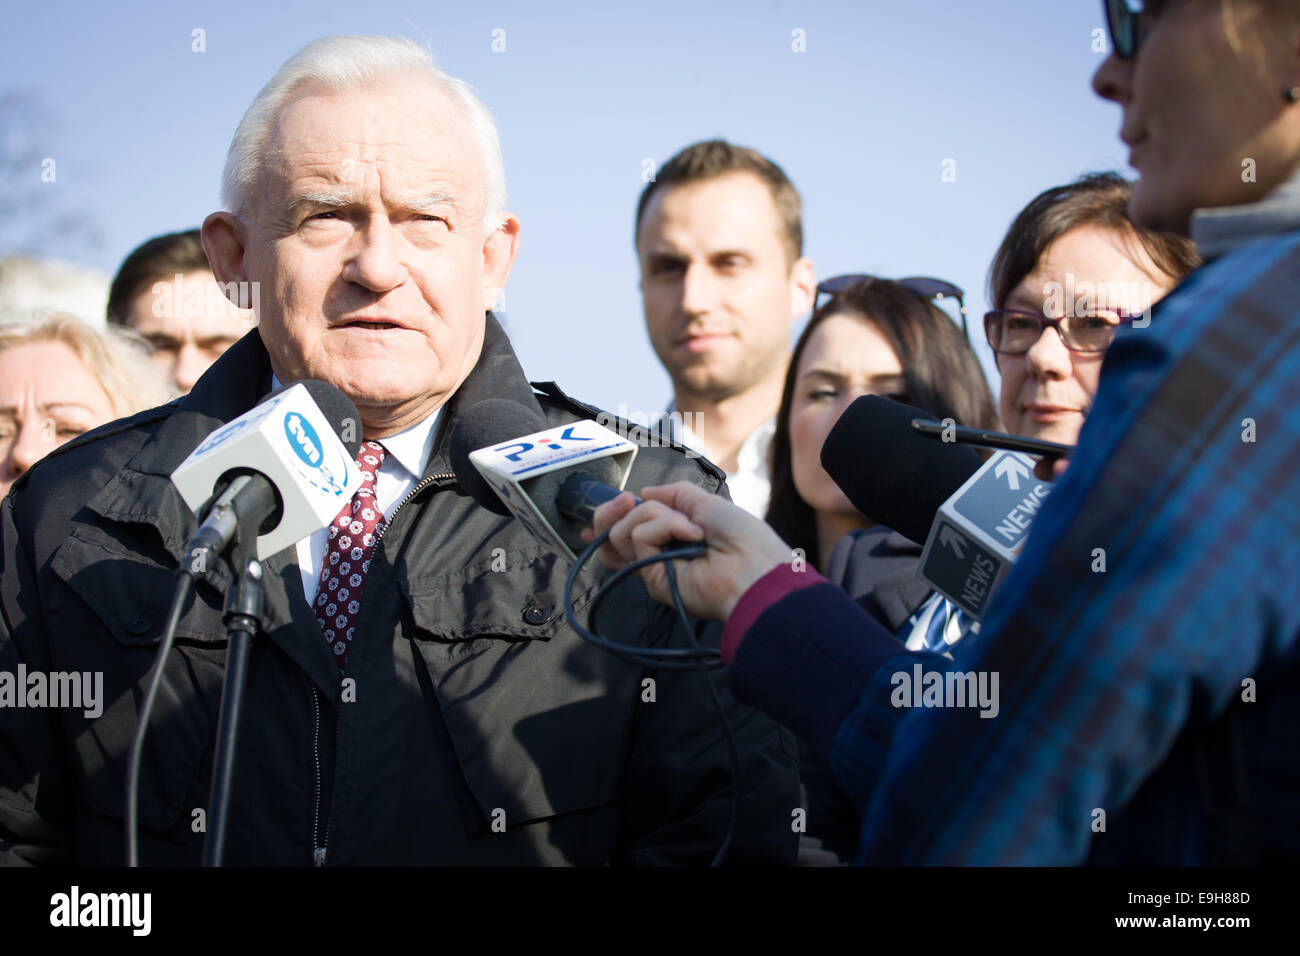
(781, 581)
(801, 650)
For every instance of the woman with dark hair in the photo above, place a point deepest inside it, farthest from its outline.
(1072, 268)
(873, 336)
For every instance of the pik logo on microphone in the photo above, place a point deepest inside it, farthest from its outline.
(581, 439)
(516, 450)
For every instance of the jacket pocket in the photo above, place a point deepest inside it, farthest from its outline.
(109, 621)
(539, 720)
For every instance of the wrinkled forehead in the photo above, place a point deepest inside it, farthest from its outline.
(401, 134)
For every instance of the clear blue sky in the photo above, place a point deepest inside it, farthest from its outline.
(583, 93)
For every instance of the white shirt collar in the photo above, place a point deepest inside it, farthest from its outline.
(410, 449)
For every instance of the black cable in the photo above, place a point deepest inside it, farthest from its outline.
(184, 588)
(733, 755)
(693, 658)
(680, 659)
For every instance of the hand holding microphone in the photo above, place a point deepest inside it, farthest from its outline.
(741, 550)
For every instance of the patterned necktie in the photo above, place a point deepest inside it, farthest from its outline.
(352, 538)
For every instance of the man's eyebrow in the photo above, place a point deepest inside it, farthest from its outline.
(666, 255)
(334, 198)
(338, 199)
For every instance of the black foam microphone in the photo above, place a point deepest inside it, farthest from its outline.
(891, 473)
(566, 498)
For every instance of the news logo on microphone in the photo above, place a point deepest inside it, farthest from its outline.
(981, 529)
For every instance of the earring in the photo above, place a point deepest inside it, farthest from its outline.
(1291, 94)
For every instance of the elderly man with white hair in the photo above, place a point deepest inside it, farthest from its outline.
(461, 721)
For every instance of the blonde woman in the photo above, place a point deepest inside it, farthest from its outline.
(60, 377)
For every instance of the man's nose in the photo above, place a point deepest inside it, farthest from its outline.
(699, 290)
(190, 364)
(375, 262)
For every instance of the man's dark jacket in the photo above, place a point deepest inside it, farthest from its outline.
(482, 729)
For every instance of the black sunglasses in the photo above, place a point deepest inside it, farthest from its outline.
(920, 286)
(1129, 23)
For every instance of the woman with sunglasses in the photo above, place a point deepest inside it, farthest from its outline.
(872, 336)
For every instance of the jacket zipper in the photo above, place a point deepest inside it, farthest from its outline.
(420, 486)
(321, 845)
(318, 850)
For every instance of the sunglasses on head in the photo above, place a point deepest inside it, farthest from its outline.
(1129, 23)
(922, 287)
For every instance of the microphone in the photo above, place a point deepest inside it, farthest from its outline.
(891, 473)
(980, 530)
(552, 478)
(279, 472)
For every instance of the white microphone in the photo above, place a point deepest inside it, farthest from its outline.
(550, 479)
(281, 471)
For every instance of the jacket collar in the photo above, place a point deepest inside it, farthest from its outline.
(1220, 230)
(142, 491)
(242, 377)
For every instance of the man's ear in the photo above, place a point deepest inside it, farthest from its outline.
(499, 250)
(803, 287)
(223, 241)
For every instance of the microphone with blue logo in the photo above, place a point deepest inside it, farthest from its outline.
(272, 476)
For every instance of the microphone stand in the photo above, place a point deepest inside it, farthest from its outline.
(243, 619)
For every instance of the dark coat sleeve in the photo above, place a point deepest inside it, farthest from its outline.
(35, 789)
(678, 782)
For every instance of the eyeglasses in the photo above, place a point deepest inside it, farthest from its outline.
(1011, 332)
(1129, 23)
(920, 286)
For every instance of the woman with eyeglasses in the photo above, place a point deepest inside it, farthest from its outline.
(872, 336)
(1147, 640)
(1072, 269)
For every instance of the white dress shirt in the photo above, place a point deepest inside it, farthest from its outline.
(751, 483)
(407, 456)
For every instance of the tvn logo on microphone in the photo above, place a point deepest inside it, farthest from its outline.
(980, 531)
(326, 467)
(289, 440)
